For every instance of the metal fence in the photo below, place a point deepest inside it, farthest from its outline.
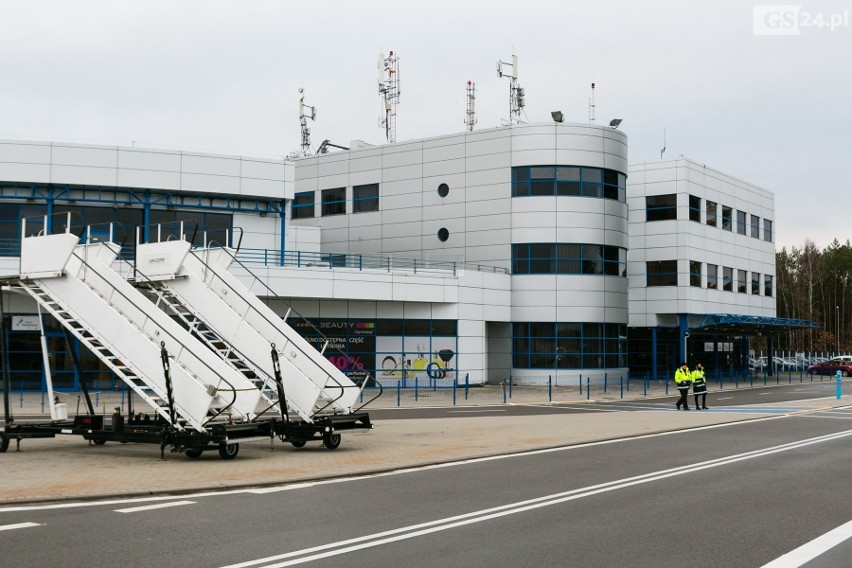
(431, 392)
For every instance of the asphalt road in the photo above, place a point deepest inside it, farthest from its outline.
(738, 495)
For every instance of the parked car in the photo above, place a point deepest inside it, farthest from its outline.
(830, 367)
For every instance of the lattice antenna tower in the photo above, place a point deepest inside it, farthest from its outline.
(303, 122)
(389, 90)
(470, 114)
(516, 92)
(592, 105)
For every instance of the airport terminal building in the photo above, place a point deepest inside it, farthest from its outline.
(531, 251)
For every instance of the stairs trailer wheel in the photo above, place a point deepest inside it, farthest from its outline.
(229, 451)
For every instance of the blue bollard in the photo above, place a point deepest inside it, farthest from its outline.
(839, 381)
(588, 389)
(621, 381)
(398, 393)
(510, 387)
(455, 389)
(503, 384)
(605, 379)
(549, 388)
(466, 385)
(581, 385)
(645, 386)
(416, 389)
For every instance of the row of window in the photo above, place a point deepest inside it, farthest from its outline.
(568, 180)
(196, 224)
(333, 201)
(664, 208)
(664, 273)
(568, 258)
(563, 345)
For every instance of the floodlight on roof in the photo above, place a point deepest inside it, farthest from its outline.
(557, 116)
(614, 122)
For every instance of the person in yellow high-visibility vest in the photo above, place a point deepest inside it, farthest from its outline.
(683, 378)
(699, 386)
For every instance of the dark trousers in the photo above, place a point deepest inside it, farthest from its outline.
(684, 394)
(700, 391)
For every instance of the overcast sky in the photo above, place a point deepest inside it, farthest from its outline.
(223, 76)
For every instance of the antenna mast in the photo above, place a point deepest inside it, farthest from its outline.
(663, 149)
(389, 90)
(592, 105)
(470, 115)
(303, 121)
(516, 92)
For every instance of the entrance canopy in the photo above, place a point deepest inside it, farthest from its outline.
(737, 324)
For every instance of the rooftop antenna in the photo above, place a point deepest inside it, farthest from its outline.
(389, 90)
(470, 115)
(303, 121)
(592, 105)
(663, 149)
(516, 92)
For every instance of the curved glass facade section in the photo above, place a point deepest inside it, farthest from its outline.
(578, 181)
(568, 345)
(568, 258)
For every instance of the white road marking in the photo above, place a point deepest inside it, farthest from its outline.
(157, 506)
(766, 393)
(812, 549)
(474, 411)
(404, 533)
(724, 398)
(18, 526)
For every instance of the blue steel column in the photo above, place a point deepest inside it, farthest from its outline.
(146, 217)
(654, 353)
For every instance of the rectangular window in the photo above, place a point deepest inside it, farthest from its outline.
(712, 277)
(303, 205)
(567, 180)
(727, 279)
(755, 283)
(741, 222)
(767, 285)
(695, 273)
(365, 198)
(755, 227)
(727, 221)
(694, 208)
(334, 201)
(711, 214)
(742, 279)
(767, 230)
(662, 273)
(661, 207)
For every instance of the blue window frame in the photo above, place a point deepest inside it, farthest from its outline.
(568, 258)
(661, 207)
(303, 205)
(661, 272)
(334, 201)
(568, 345)
(767, 230)
(578, 181)
(365, 198)
(695, 273)
(695, 208)
(712, 276)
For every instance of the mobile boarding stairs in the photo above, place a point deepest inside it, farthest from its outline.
(214, 363)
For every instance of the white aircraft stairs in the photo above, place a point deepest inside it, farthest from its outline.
(76, 284)
(197, 286)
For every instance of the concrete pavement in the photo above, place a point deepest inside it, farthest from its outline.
(68, 468)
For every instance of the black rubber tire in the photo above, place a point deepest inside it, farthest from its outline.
(844, 374)
(4, 443)
(331, 440)
(298, 443)
(193, 453)
(229, 451)
(99, 442)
